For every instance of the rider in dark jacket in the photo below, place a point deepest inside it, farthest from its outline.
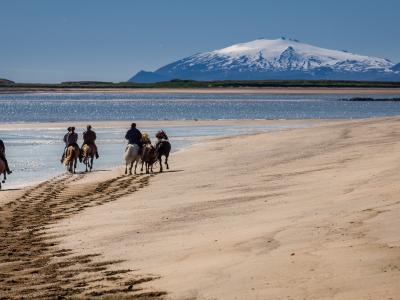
(89, 138)
(72, 140)
(65, 139)
(134, 136)
(3, 156)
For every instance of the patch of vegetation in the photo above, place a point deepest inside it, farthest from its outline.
(182, 84)
(6, 81)
(366, 99)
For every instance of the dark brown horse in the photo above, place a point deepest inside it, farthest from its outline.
(163, 148)
(3, 171)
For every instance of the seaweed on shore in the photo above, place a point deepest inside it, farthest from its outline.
(368, 99)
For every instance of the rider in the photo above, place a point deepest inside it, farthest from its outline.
(72, 140)
(66, 143)
(134, 136)
(3, 156)
(89, 138)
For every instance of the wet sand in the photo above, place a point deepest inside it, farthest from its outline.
(310, 213)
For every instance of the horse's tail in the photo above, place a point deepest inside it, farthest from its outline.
(86, 151)
(70, 156)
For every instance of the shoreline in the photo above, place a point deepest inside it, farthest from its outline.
(145, 125)
(267, 90)
(158, 123)
(301, 213)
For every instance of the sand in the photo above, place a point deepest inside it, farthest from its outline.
(307, 213)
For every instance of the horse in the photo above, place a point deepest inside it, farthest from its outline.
(149, 157)
(3, 171)
(163, 148)
(88, 156)
(71, 158)
(131, 156)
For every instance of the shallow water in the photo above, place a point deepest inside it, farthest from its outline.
(52, 107)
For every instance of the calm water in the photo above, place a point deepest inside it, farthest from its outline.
(97, 106)
(34, 154)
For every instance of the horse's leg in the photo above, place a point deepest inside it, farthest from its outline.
(130, 168)
(160, 161)
(136, 166)
(141, 169)
(75, 164)
(126, 167)
(91, 163)
(166, 161)
(4, 177)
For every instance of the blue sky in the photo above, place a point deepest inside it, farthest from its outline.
(54, 41)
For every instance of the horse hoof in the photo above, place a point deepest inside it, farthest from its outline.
(3, 181)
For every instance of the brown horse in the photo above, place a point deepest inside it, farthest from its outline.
(71, 158)
(3, 171)
(149, 157)
(88, 156)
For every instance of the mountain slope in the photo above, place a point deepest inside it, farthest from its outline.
(396, 68)
(274, 59)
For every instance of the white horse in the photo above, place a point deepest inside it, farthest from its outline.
(131, 156)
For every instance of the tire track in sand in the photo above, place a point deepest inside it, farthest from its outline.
(31, 264)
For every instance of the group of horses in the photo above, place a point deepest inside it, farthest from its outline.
(148, 155)
(72, 155)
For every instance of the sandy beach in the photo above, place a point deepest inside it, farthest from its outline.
(305, 213)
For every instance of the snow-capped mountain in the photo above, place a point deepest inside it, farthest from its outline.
(274, 59)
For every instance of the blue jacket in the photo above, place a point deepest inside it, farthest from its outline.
(134, 136)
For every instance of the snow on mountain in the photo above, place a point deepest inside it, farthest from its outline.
(274, 59)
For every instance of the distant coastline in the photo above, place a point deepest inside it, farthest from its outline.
(189, 86)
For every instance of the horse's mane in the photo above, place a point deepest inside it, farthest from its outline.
(161, 135)
(146, 139)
